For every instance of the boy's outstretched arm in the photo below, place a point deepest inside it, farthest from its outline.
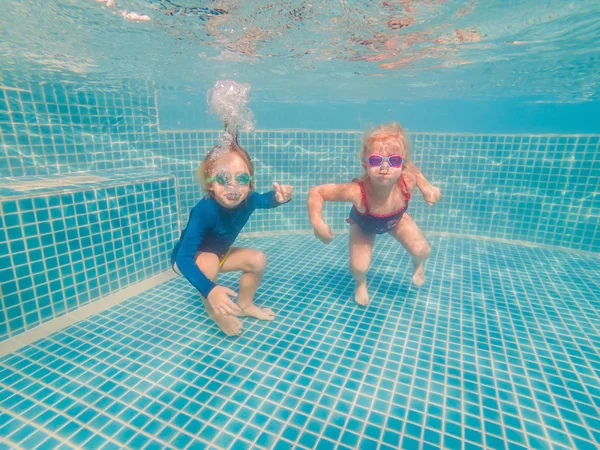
(431, 194)
(278, 196)
(283, 192)
(327, 192)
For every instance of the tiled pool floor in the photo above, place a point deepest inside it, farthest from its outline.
(499, 349)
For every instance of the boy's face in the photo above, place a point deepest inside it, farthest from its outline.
(231, 184)
(388, 172)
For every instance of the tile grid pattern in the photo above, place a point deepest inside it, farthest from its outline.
(64, 250)
(51, 129)
(538, 188)
(488, 354)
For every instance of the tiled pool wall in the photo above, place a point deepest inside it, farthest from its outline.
(60, 251)
(537, 188)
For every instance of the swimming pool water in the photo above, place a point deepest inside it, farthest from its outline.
(500, 348)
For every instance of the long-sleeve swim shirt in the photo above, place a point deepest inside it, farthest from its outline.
(213, 228)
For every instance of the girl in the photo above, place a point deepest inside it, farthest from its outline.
(380, 199)
(205, 246)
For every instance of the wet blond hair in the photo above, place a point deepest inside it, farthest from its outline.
(381, 133)
(212, 157)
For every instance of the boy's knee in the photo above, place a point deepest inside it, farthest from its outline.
(208, 263)
(258, 262)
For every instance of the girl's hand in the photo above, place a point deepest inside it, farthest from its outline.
(283, 193)
(432, 195)
(220, 301)
(323, 233)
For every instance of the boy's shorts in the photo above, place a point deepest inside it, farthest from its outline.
(221, 262)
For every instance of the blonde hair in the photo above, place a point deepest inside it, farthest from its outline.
(381, 133)
(210, 160)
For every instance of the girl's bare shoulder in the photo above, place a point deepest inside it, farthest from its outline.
(409, 179)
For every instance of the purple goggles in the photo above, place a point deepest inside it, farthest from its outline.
(392, 160)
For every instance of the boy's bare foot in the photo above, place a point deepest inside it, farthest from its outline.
(230, 325)
(258, 313)
(418, 277)
(361, 296)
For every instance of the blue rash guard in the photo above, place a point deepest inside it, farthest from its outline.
(213, 228)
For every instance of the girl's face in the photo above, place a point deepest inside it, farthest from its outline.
(230, 180)
(389, 171)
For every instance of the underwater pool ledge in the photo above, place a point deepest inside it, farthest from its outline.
(28, 337)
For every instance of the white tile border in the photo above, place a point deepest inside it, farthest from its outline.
(15, 343)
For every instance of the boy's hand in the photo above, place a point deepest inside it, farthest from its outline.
(283, 193)
(323, 233)
(220, 301)
(432, 195)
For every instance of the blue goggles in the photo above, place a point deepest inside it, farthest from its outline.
(241, 179)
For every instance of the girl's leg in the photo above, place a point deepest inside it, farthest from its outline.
(361, 250)
(410, 236)
(209, 265)
(252, 263)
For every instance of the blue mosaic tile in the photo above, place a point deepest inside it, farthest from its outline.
(62, 283)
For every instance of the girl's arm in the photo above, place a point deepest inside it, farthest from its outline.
(317, 195)
(431, 194)
(328, 193)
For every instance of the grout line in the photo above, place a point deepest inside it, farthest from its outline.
(72, 189)
(361, 132)
(10, 88)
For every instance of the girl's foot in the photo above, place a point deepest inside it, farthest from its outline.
(418, 277)
(258, 313)
(361, 296)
